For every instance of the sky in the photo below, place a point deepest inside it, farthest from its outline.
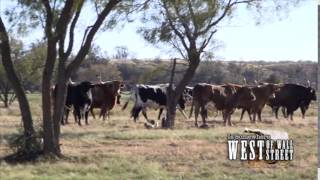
(292, 38)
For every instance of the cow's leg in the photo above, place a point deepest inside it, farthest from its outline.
(144, 113)
(242, 112)
(196, 113)
(77, 115)
(284, 112)
(82, 113)
(224, 116)
(259, 115)
(303, 111)
(290, 113)
(103, 113)
(203, 115)
(92, 113)
(250, 114)
(229, 119)
(135, 112)
(160, 112)
(86, 117)
(108, 114)
(65, 117)
(254, 114)
(77, 118)
(276, 110)
(67, 110)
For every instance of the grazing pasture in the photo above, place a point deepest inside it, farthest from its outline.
(118, 148)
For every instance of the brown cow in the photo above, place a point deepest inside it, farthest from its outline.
(262, 93)
(226, 98)
(104, 96)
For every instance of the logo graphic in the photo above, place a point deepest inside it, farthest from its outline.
(259, 147)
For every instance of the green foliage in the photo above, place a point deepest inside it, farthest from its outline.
(26, 15)
(22, 145)
(30, 66)
(7, 95)
(190, 25)
(218, 72)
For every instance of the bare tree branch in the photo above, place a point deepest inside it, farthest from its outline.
(85, 35)
(206, 41)
(49, 18)
(178, 33)
(194, 21)
(87, 43)
(72, 27)
(96, 7)
(176, 46)
(229, 5)
(64, 19)
(183, 22)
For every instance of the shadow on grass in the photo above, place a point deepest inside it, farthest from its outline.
(73, 135)
(22, 157)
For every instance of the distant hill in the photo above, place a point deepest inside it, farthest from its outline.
(216, 72)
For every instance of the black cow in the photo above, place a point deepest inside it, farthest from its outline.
(291, 97)
(79, 97)
(150, 96)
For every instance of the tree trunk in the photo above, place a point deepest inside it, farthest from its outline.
(171, 110)
(17, 87)
(174, 95)
(6, 95)
(171, 114)
(50, 146)
(59, 102)
(5, 100)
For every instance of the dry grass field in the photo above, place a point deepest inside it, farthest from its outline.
(121, 149)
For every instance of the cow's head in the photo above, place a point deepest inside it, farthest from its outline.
(244, 94)
(86, 86)
(312, 94)
(118, 86)
(271, 89)
(181, 102)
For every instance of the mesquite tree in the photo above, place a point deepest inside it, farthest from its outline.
(59, 20)
(17, 87)
(189, 26)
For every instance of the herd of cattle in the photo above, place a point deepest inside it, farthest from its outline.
(83, 97)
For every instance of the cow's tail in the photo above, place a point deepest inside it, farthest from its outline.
(125, 105)
(192, 104)
(135, 112)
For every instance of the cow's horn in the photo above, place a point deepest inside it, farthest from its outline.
(309, 84)
(245, 81)
(70, 81)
